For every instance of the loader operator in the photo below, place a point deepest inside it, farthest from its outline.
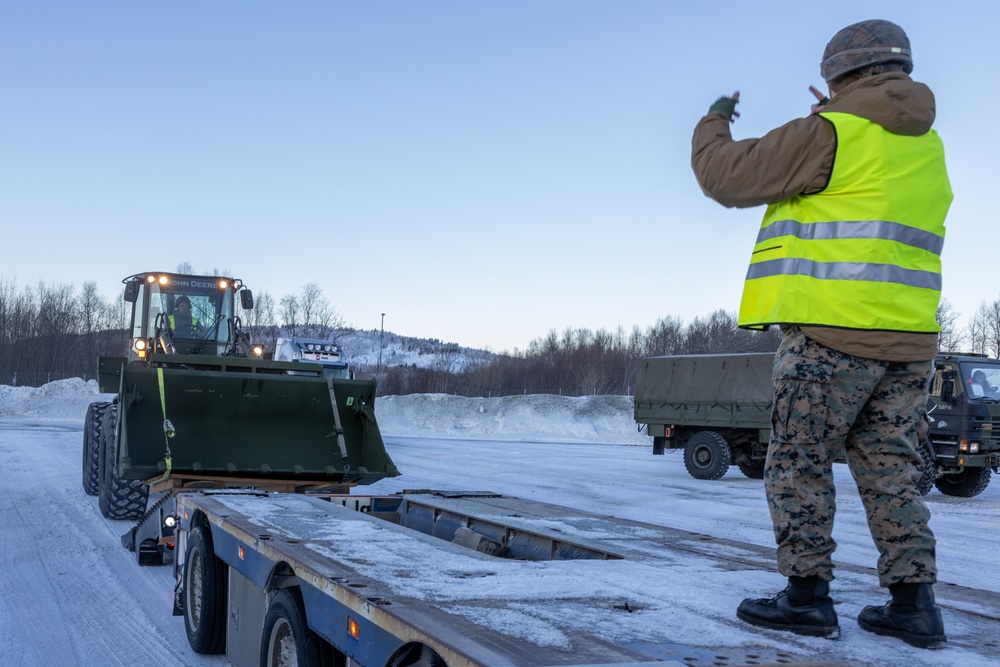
(182, 323)
(847, 263)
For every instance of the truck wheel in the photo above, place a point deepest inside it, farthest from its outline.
(287, 640)
(204, 593)
(966, 484)
(929, 472)
(753, 469)
(92, 446)
(118, 498)
(707, 455)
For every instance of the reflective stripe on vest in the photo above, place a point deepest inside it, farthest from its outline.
(865, 252)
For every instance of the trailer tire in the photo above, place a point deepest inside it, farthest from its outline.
(416, 655)
(707, 455)
(287, 640)
(204, 593)
(966, 484)
(118, 498)
(92, 447)
(753, 469)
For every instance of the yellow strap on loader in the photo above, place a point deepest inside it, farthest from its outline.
(168, 428)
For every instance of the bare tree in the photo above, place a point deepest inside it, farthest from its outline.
(951, 338)
(976, 330)
(290, 312)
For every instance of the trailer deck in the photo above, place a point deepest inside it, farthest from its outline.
(485, 579)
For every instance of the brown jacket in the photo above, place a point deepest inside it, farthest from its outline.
(797, 158)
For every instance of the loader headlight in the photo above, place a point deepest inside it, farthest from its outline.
(967, 447)
(140, 344)
(258, 350)
(170, 521)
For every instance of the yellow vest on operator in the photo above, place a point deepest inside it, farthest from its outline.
(173, 327)
(865, 253)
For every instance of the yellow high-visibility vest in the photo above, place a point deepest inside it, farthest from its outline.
(173, 327)
(865, 253)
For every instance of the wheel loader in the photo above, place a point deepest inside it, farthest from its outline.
(199, 405)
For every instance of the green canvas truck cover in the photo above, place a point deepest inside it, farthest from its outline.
(702, 378)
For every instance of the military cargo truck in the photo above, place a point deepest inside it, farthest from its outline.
(717, 409)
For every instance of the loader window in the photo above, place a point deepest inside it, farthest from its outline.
(195, 312)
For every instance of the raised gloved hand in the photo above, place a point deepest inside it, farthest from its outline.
(727, 105)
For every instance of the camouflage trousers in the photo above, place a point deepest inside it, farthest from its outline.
(826, 404)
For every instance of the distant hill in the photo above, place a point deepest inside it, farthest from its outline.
(361, 350)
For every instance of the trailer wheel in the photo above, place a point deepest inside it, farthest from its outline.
(287, 640)
(204, 593)
(966, 484)
(92, 447)
(753, 469)
(416, 655)
(118, 498)
(707, 455)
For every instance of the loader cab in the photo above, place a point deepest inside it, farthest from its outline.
(163, 322)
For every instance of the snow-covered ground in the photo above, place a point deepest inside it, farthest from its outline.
(72, 595)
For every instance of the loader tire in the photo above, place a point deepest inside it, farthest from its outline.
(92, 447)
(966, 484)
(118, 498)
(204, 593)
(707, 455)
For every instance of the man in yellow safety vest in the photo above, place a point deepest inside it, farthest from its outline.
(848, 263)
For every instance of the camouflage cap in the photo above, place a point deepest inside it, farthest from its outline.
(864, 44)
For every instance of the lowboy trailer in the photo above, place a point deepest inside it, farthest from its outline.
(430, 579)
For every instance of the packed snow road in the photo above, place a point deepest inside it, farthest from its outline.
(72, 595)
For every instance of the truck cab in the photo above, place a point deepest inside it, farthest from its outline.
(962, 410)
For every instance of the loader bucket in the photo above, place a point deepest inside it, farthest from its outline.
(247, 418)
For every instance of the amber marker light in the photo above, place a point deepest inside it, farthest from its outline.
(242, 553)
(353, 628)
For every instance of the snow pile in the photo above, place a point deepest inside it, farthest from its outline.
(59, 401)
(539, 418)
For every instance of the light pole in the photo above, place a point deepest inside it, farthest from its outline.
(381, 337)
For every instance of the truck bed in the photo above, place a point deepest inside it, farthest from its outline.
(574, 587)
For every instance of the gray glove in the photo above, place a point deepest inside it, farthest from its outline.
(726, 105)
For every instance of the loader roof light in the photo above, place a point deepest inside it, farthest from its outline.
(163, 280)
(150, 279)
(223, 284)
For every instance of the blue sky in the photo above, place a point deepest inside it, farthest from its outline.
(481, 172)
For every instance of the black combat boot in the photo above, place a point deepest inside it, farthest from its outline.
(911, 615)
(804, 607)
